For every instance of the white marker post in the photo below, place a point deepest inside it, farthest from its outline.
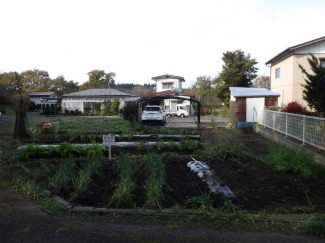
(109, 140)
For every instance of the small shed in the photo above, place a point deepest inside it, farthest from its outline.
(245, 104)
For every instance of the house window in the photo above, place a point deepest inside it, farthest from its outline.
(277, 73)
(168, 85)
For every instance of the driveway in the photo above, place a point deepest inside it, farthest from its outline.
(189, 122)
(4, 120)
(23, 221)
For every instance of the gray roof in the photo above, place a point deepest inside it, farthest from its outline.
(292, 48)
(97, 93)
(40, 93)
(252, 92)
(168, 76)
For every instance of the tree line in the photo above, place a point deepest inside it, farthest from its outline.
(13, 84)
(239, 70)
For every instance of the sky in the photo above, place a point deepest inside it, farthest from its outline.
(141, 39)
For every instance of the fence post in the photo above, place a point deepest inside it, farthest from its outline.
(303, 130)
(286, 124)
(273, 120)
(264, 114)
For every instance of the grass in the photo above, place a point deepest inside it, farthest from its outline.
(223, 151)
(64, 175)
(8, 113)
(301, 162)
(49, 205)
(83, 181)
(314, 228)
(76, 125)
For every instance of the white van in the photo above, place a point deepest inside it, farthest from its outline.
(180, 111)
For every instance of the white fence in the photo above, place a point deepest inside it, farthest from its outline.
(308, 129)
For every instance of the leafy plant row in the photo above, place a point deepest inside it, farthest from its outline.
(164, 130)
(185, 144)
(64, 150)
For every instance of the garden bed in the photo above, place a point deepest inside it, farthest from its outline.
(257, 185)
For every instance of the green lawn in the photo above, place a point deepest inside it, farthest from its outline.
(7, 112)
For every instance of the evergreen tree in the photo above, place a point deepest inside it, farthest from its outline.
(47, 109)
(238, 71)
(52, 109)
(314, 92)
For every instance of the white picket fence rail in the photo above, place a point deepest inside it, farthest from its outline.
(308, 129)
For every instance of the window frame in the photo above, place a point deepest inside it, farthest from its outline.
(278, 72)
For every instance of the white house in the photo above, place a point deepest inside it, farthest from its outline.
(84, 100)
(43, 97)
(171, 85)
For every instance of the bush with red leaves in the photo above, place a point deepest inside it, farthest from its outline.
(296, 108)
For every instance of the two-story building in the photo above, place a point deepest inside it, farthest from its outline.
(286, 76)
(171, 85)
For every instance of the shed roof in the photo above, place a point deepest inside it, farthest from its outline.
(97, 92)
(40, 93)
(168, 76)
(252, 92)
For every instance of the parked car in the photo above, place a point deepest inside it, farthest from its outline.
(180, 111)
(153, 114)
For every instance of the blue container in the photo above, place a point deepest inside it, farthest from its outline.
(239, 125)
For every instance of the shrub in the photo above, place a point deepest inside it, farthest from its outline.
(47, 109)
(96, 107)
(130, 112)
(52, 109)
(115, 105)
(38, 107)
(296, 108)
(57, 109)
(31, 106)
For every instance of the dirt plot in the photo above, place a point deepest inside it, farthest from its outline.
(253, 143)
(182, 184)
(258, 185)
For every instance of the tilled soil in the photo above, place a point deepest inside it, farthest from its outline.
(257, 185)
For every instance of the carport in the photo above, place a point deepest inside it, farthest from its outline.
(141, 102)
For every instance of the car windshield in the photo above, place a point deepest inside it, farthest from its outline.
(152, 109)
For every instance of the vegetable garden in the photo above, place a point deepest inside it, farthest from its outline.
(157, 176)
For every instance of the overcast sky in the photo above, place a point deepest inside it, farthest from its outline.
(140, 39)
